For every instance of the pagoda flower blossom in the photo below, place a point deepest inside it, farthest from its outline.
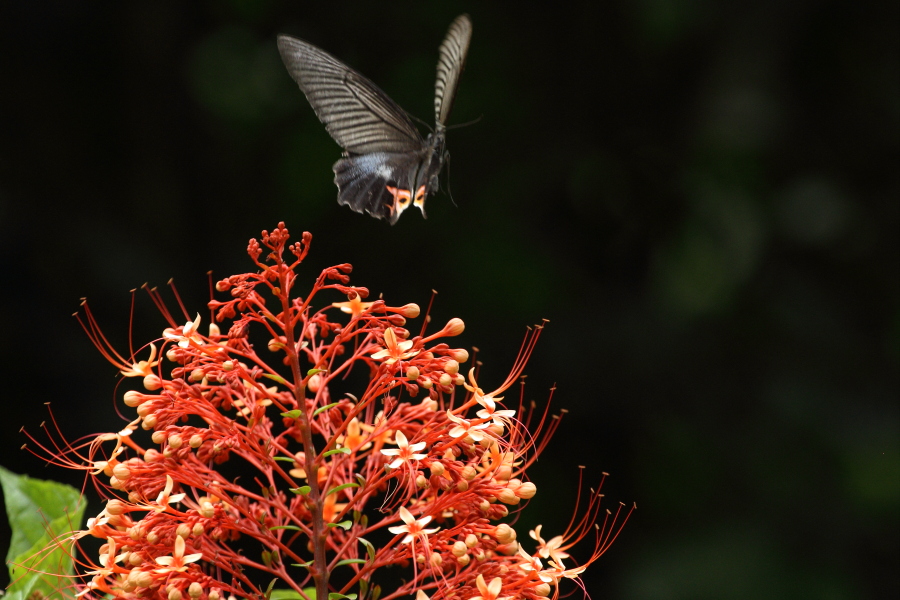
(412, 527)
(343, 431)
(186, 335)
(490, 591)
(550, 549)
(354, 306)
(404, 451)
(143, 368)
(465, 428)
(394, 350)
(177, 562)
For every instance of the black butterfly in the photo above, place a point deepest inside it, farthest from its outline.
(386, 164)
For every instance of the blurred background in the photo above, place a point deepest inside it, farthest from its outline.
(701, 197)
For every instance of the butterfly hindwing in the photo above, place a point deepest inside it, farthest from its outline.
(376, 183)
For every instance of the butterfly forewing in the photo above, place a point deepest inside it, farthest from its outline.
(451, 62)
(357, 114)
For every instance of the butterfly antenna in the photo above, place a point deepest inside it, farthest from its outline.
(466, 124)
(415, 118)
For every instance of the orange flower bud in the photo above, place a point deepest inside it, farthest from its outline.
(454, 327)
(451, 367)
(526, 490)
(410, 311)
(504, 533)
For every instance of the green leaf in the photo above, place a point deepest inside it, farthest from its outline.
(343, 486)
(350, 561)
(363, 588)
(336, 451)
(370, 549)
(337, 596)
(39, 511)
(293, 595)
(284, 458)
(326, 407)
(305, 565)
(302, 490)
(312, 372)
(291, 527)
(345, 525)
(275, 378)
(268, 591)
(292, 414)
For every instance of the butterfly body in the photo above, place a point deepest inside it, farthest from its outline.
(387, 165)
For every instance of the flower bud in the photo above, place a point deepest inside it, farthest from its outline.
(451, 367)
(498, 511)
(152, 455)
(425, 383)
(174, 594)
(454, 327)
(542, 590)
(213, 595)
(145, 409)
(121, 471)
(152, 538)
(175, 441)
(207, 509)
(152, 382)
(436, 560)
(197, 529)
(503, 472)
(526, 490)
(471, 540)
(459, 355)
(459, 379)
(149, 422)
(437, 468)
(134, 398)
(412, 373)
(115, 507)
(183, 530)
(462, 485)
(445, 380)
(172, 354)
(134, 559)
(410, 311)
(144, 579)
(463, 560)
(228, 365)
(468, 473)
(507, 496)
(504, 533)
(421, 481)
(314, 383)
(508, 549)
(459, 549)
(197, 375)
(196, 441)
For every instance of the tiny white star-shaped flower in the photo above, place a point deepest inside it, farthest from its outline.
(404, 450)
(412, 527)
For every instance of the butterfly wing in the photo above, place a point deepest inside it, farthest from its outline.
(450, 66)
(357, 114)
(377, 183)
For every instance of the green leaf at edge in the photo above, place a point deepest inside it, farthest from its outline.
(302, 490)
(343, 486)
(34, 508)
(345, 525)
(326, 407)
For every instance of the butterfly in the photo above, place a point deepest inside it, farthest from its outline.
(386, 164)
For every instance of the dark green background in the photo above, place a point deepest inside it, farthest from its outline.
(701, 197)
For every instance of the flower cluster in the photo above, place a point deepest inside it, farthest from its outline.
(261, 475)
